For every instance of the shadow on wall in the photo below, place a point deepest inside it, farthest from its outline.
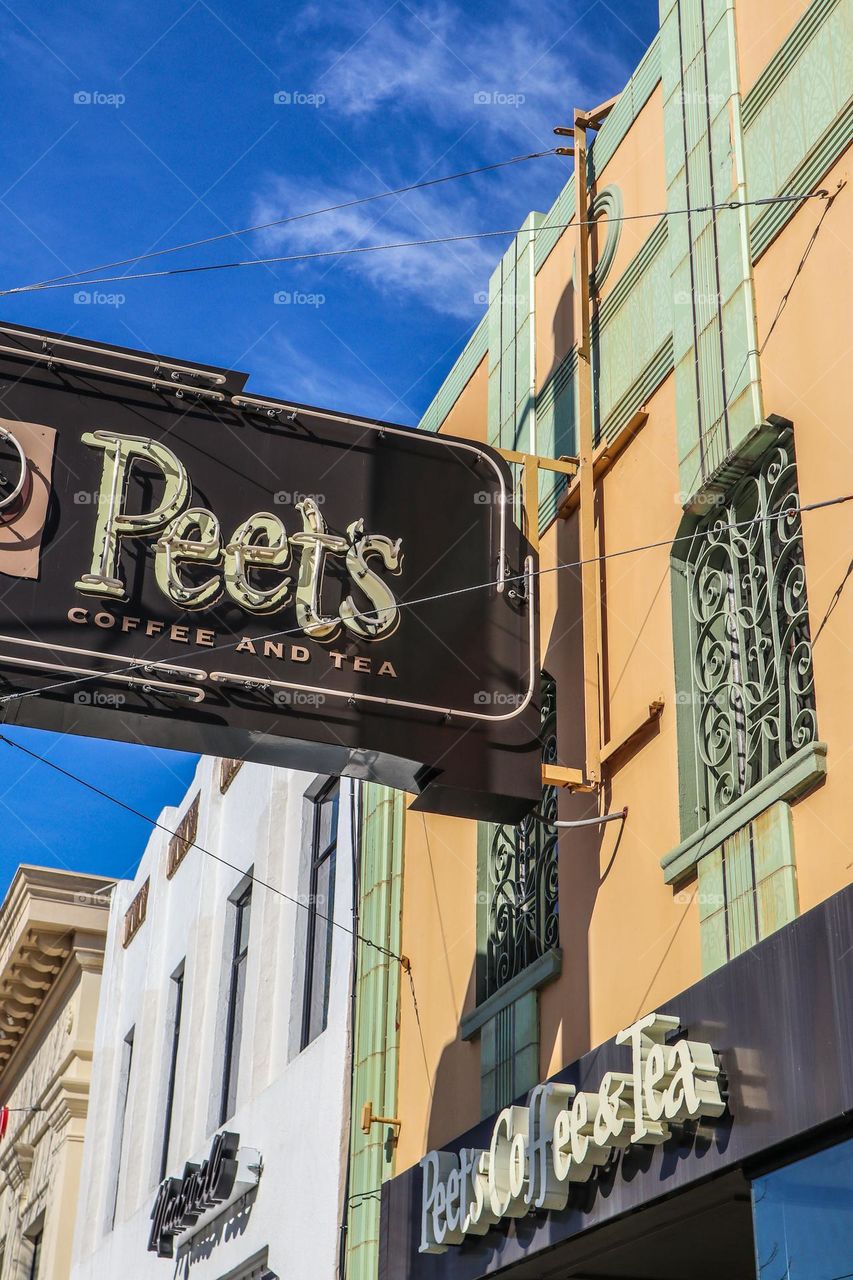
(231, 1222)
(585, 857)
(563, 322)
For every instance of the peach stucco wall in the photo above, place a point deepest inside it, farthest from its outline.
(760, 28)
(630, 942)
(807, 373)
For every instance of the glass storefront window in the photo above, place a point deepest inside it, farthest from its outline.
(803, 1218)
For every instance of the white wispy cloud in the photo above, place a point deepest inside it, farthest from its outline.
(450, 278)
(512, 75)
(410, 89)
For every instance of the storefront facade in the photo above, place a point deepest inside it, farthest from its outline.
(53, 927)
(694, 548)
(762, 1184)
(220, 1100)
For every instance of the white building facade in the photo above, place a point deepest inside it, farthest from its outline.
(223, 1039)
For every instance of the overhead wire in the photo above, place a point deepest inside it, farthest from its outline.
(293, 217)
(313, 255)
(160, 826)
(709, 434)
(265, 884)
(716, 528)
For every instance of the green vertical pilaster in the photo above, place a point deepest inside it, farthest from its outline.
(376, 1030)
(717, 379)
(512, 344)
(747, 887)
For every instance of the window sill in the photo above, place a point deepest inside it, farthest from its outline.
(803, 771)
(537, 974)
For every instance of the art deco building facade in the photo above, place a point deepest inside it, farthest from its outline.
(690, 415)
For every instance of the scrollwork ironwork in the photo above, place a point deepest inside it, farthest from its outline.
(522, 899)
(751, 657)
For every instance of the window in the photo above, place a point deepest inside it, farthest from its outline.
(518, 936)
(234, 1027)
(35, 1256)
(745, 679)
(121, 1116)
(518, 930)
(323, 832)
(518, 878)
(803, 1217)
(176, 1006)
(746, 718)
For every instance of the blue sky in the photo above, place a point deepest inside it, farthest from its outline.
(137, 127)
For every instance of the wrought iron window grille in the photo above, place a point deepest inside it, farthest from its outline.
(751, 679)
(521, 892)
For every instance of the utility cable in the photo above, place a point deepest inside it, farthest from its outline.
(401, 244)
(294, 217)
(714, 529)
(408, 969)
(708, 436)
(155, 823)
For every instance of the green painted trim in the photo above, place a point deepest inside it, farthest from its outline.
(536, 975)
(685, 737)
(747, 887)
(639, 264)
(485, 834)
(736, 464)
(561, 211)
(828, 149)
(640, 390)
(550, 504)
(608, 201)
(791, 780)
(376, 1033)
(471, 356)
(509, 1054)
(557, 382)
(632, 99)
(785, 58)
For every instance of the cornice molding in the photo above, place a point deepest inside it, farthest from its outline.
(16, 1163)
(66, 1100)
(37, 976)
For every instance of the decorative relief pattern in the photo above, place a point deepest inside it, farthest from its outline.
(134, 917)
(184, 838)
(523, 912)
(753, 683)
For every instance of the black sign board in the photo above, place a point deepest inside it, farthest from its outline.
(188, 565)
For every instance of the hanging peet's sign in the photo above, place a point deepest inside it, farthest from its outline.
(190, 566)
(564, 1135)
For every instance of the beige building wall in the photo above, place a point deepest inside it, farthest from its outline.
(53, 927)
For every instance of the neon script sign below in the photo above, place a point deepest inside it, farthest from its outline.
(564, 1135)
